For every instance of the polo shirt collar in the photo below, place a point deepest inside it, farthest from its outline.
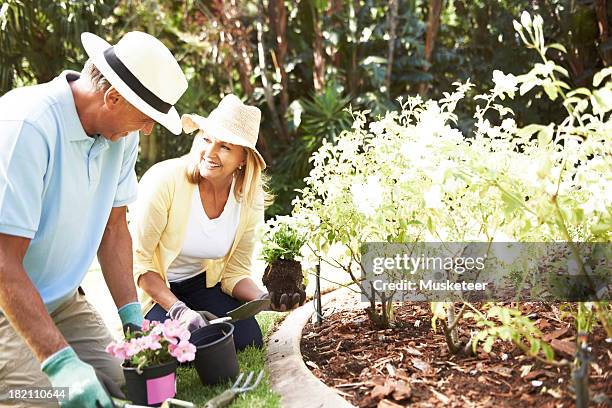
(74, 129)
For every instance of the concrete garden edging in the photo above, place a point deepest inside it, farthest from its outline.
(289, 376)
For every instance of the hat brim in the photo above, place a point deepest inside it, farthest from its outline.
(193, 122)
(94, 47)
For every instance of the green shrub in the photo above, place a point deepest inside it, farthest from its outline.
(413, 176)
(282, 240)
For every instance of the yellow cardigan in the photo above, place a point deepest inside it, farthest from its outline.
(158, 221)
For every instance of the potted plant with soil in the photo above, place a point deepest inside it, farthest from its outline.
(281, 245)
(150, 360)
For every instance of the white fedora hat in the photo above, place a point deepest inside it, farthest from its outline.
(232, 122)
(143, 71)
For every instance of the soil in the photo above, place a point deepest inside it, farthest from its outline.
(284, 276)
(411, 365)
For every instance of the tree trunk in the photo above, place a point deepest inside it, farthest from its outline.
(602, 23)
(237, 37)
(244, 63)
(318, 70)
(264, 81)
(277, 15)
(353, 75)
(392, 21)
(433, 25)
(450, 319)
(334, 12)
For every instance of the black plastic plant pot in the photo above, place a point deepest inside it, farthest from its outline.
(215, 359)
(153, 386)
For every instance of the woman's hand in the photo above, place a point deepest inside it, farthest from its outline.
(192, 319)
(246, 290)
(286, 301)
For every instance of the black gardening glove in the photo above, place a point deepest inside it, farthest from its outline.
(285, 301)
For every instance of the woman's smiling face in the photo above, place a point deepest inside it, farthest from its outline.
(219, 160)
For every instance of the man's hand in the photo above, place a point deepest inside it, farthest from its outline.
(131, 317)
(65, 369)
(192, 319)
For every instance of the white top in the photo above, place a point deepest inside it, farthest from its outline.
(205, 238)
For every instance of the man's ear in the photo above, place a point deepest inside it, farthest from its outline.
(112, 98)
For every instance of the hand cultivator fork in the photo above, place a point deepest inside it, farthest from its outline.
(224, 399)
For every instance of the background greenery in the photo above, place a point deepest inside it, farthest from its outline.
(302, 62)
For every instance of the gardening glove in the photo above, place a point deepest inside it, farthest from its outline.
(207, 315)
(192, 319)
(111, 387)
(65, 369)
(286, 301)
(131, 317)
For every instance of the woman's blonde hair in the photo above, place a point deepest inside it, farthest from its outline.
(251, 183)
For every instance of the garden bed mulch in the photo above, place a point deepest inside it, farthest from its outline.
(410, 365)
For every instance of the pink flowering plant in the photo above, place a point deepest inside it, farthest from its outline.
(158, 343)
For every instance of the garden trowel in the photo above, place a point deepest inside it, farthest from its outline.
(249, 309)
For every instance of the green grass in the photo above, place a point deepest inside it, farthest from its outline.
(189, 387)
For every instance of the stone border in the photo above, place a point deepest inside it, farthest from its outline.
(289, 376)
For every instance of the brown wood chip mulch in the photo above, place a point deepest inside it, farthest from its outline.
(410, 365)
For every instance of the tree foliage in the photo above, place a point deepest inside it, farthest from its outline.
(309, 56)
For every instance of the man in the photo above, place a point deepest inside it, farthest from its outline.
(67, 155)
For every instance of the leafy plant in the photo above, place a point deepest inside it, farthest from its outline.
(412, 176)
(158, 343)
(318, 118)
(510, 325)
(282, 239)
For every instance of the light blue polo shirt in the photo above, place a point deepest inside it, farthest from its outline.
(58, 185)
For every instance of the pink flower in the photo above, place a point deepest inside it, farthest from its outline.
(150, 342)
(156, 328)
(146, 325)
(155, 337)
(133, 347)
(174, 331)
(171, 335)
(183, 351)
(117, 350)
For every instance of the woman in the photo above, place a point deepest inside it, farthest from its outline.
(194, 224)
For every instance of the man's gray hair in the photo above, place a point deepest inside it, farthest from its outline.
(95, 77)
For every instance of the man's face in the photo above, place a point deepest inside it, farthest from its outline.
(121, 118)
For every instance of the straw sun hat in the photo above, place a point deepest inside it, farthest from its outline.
(143, 71)
(231, 122)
